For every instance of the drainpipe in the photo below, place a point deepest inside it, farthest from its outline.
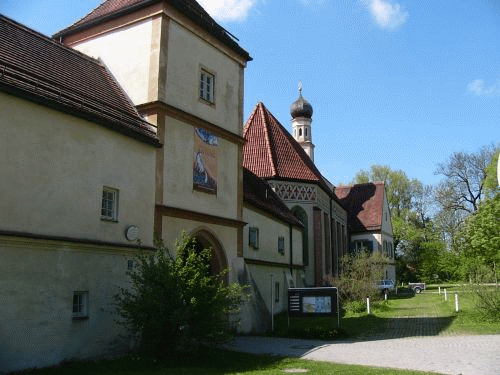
(332, 245)
(291, 249)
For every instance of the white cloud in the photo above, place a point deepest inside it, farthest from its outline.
(228, 10)
(387, 15)
(477, 87)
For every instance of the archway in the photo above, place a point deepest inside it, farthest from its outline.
(205, 239)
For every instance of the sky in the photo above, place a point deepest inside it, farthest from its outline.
(400, 83)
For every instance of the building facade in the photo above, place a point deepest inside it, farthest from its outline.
(74, 161)
(274, 155)
(185, 74)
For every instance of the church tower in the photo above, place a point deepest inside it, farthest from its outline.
(301, 111)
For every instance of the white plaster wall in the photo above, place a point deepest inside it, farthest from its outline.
(37, 281)
(269, 231)
(127, 54)
(187, 54)
(178, 173)
(54, 167)
(386, 224)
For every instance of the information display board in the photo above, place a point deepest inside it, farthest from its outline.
(313, 301)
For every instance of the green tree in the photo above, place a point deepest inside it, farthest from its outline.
(175, 303)
(491, 183)
(480, 246)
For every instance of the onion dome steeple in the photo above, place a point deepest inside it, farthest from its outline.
(301, 107)
(301, 111)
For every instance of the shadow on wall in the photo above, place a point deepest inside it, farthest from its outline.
(256, 318)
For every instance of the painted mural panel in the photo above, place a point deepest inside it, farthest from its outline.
(205, 161)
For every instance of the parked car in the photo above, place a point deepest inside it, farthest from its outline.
(416, 287)
(385, 286)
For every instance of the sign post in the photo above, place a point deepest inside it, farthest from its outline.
(310, 302)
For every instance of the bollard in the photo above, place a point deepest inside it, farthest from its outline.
(368, 305)
(445, 294)
(456, 302)
(385, 296)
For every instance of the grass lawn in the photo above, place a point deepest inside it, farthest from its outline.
(411, 309)
(214, 362)
(428, 304)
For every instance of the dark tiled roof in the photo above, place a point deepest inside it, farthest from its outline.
(364, 204)
(258, 193)
(40, 69)
(111, 9)
(272, 153)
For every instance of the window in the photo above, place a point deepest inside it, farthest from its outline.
(300, 132)
(80, 305)
(276, 291)
(253, 237)
(358, 246)
(130, 265)
(207, 83)
(281, 245)
(109, 206)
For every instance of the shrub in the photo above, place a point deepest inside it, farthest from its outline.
(174, 303)
(488, 303)
(360, 275)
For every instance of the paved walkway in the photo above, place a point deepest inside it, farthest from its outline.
(466, 355)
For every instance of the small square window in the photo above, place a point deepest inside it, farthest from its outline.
(207, 84)
(253, 237)
(80, 305)
(281, 245)
(109, 205)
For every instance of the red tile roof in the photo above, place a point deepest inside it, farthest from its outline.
(364, 204)
(272, 153)
(111, 9)
(258, 193)
(42, 70)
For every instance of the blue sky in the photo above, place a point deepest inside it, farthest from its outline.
(403, 83)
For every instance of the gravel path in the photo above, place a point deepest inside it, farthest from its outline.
(466, 355)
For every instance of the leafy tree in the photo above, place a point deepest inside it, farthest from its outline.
(491, 183)
(481, 238)
(464, 177)
(175, 303)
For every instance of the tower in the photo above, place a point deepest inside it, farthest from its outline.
(301, 111)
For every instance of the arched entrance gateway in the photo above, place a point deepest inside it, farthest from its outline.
(205, 239)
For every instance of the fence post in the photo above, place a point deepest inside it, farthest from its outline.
(456, 302)
(439, 288)
(445, 294)
(368, 305)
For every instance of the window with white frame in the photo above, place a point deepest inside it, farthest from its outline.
(80, 305)
(281, 245)
(253, 237)
(207, 85)
(361, 245)
(109, 205)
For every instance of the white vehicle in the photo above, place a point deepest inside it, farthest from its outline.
(385, 286)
